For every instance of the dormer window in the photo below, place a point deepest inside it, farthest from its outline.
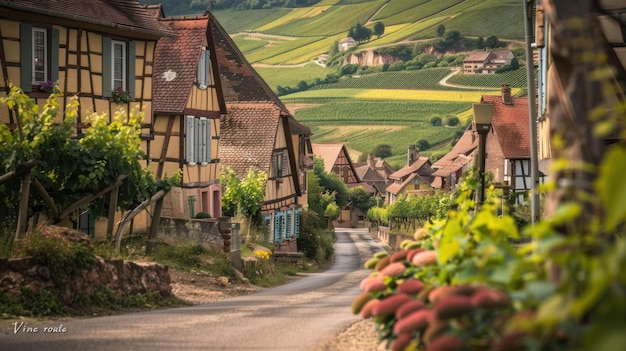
(204, 69)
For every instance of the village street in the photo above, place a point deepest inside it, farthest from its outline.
(303, 315)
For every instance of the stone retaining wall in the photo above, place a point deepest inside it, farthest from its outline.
(121, 276)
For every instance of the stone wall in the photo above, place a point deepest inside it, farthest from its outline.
(181, 232)
(121, 276)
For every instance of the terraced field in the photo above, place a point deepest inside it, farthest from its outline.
(390, 107)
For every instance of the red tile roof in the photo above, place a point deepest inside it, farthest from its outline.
(247, 136)
(421, 166)
(126, 15)
(459, 156)
(329, 152)
(511, 126)
(176, 62)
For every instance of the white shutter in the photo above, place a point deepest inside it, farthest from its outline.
(197, 140)
(204, 140)
(189, 140)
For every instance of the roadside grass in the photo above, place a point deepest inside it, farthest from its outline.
(417, 79)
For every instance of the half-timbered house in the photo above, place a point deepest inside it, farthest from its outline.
(188, 104)
(256, 134)
(97, 50)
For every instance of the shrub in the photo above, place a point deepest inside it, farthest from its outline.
(452, 121)
(435, 121)
(51, 249)
(201, 215)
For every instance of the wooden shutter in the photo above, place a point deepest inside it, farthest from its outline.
(296, 223)
(189, 136)
(130, 79)
(204, 140)
(106, 67)
(288, 224)
(277, 224)
(54, 55)
(26, 57)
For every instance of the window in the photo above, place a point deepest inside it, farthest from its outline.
(118, 66)
(280, 164)
(198, 141)
(39, 53)
(118, 63)
(204, 69)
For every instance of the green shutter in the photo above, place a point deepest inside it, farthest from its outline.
(26, 57)
(54, 57)
(106, 67)
(131, 68)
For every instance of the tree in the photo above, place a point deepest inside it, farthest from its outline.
(423, 145)
(360, 198)
(435, 121)
(382, 151)
(492, 42)
(452, 121)
(242, 197)
(441, 29)
(379, 29)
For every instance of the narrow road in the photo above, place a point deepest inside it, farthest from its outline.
(297, 316)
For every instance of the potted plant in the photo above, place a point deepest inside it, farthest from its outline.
(121, 96)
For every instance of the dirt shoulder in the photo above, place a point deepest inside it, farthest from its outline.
(201, 287)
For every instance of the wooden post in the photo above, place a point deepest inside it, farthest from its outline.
(111, 214)
(154, 225)
(22, 217)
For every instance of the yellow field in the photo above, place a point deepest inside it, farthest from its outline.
(295, 15)
(424, 95)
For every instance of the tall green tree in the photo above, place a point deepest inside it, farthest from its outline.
(379, 29)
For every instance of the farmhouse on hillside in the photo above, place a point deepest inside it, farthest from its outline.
(346, 44)
(487, 62)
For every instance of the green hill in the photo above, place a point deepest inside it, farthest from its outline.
(371, 106)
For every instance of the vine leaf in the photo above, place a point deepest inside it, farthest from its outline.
(612, 187)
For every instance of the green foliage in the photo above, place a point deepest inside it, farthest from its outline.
(313, 241)
(435, 121)
(360, 199)
(379, 29)
(565, 291)
(40, 302)
(382, 150)
(69, 168)
(423, 145)
(201, 215)
(242, 197)
(49, 248)
(452, 121)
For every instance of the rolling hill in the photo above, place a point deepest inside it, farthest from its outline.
(362, 111)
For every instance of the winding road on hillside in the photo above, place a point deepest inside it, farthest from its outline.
(304, 315)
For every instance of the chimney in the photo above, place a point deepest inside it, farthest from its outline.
(506, 95)
(370, 160)
(413, 155)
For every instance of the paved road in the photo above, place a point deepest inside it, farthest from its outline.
(297, 316)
